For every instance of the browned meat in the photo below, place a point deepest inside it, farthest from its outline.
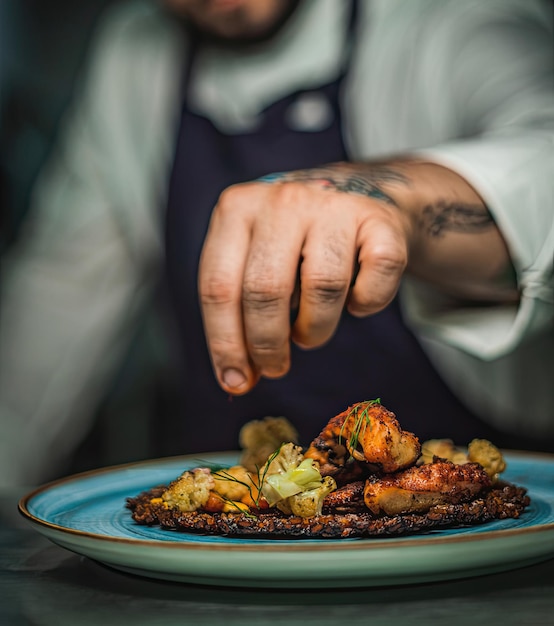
(347, 498)
(502, 501)
(369, 433)
(417, 489)
(328, 448)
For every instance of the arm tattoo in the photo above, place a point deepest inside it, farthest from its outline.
(442, 217)
(366, 181)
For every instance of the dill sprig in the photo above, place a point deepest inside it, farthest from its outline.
(227, 500)
(262, 477)
(213, 467)
(261, 474)
(361, 421)
(222, 474)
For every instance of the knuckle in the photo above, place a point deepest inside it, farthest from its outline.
(287, 194)
(229, 194)
(270, 353)
(222, 347)
(388, 261)
(270, 358)
(230, 199)
(324, 289)
(264, 294)
(266, 347)
(215, 290)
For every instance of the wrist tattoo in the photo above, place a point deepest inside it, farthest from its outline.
(442, 217)
(367, 181)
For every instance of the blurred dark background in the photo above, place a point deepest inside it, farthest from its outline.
(42, 47)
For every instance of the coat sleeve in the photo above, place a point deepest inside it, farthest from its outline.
(497, 358)
(470, 85)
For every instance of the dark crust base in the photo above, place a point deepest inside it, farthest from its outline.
(503, 501)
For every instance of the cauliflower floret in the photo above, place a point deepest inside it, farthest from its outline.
(488, 455)
(444, 449)
(479, 451)
(283, 458)
(308, 503)
(233, 483)
(191, 490)
(259, 438)
(287, 473)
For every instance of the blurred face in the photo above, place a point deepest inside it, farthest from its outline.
(234, 20)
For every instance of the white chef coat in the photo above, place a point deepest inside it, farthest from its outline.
(464, 83)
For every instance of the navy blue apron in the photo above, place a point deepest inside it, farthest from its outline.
(367, 358)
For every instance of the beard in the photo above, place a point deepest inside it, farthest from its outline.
(237, 29)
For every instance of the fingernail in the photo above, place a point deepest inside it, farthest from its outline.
(234, 379)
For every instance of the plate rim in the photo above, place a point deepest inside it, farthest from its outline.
(282, 545)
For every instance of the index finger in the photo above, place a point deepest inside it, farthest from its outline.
(220, 275)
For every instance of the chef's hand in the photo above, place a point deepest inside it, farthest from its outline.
(329, 238)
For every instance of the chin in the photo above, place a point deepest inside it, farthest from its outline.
(234, 22)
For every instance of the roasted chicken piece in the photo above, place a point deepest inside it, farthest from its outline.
(349, 497)
(417, 489)
(367, 432)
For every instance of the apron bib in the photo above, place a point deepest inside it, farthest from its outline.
(367, 358)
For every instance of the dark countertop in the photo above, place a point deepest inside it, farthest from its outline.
(43, 584)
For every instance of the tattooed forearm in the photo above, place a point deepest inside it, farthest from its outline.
(366, 181)
(442, 217)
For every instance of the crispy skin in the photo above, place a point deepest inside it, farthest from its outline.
(369, 433)
(503, 501)
(417, 489)
(345, 499)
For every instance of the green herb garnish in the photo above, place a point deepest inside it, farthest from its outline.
(221, 473)
(262, 477)
(361, 422)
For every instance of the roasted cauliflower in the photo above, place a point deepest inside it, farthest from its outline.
(488, 456)
(287, 473)
(443, 449)
(308, 503)
(191, 490)
(258, 439)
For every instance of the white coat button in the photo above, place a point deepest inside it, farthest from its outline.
(310, 112)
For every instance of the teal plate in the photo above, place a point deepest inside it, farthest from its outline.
(86, 514)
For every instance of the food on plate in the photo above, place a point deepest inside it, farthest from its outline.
(258, 439)
(368, 433)
(362, 476)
